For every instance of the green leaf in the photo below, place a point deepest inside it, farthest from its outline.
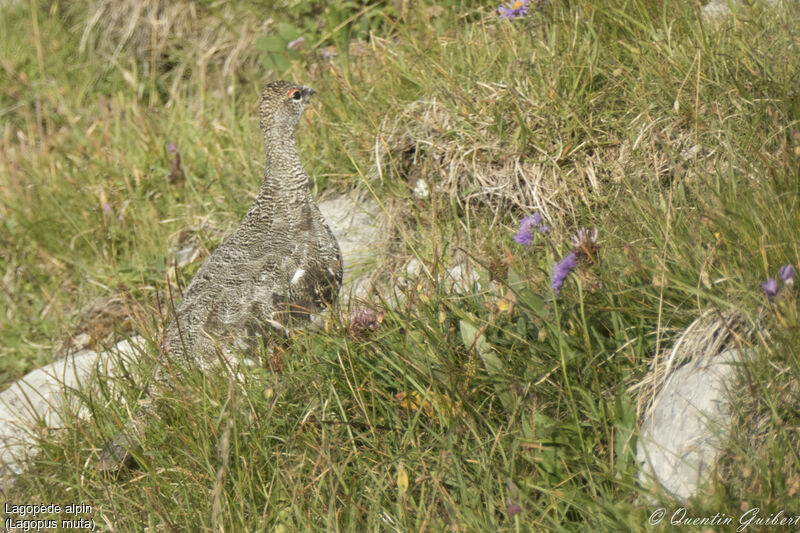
(534, 302)
(525, 296)
(515, 281)
(471, 337)
(288, 32)
(271, 44)
(281, 62)
(268, 62)
(624, 426)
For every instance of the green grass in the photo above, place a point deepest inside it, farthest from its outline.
(679, 140)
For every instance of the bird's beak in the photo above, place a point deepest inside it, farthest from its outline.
(308, 91)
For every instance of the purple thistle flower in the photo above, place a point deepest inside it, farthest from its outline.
(561, 270)
(524, 237)
(770, 288)
(515, 9)
(535, 221)
(786, 273)
(526, 225)
(584, 239)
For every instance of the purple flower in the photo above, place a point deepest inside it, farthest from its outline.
(171, 147)
(786, 273)
(524, 237)
(516, 9)
(584, 239)
(535, 221)
(106, 207)
(770, 288)
(512, 508)
(561, 270)
(526, 225)
(584, 244)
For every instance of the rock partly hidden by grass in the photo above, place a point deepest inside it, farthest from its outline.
(506, 399)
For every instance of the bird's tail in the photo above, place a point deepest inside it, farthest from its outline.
(117, 452)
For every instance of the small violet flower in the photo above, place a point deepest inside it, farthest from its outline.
(526, 225)
(561, 270)
(535, 221)
(106, 207)
(515, 9)
(524, 237)
(770, 288)
(786, 273)
(171, 147)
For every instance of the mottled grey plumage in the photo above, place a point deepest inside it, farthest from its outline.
(281, 264)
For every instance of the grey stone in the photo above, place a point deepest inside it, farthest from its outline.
(717, 9)
(683, 428)
(38, 400)
(355, 222)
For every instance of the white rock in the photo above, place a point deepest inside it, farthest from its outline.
(682, 430)
(356, 224)
(715, 10)
(463, 277)
(38, 400)
(421, 189)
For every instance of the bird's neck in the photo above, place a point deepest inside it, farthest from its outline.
(285, 182)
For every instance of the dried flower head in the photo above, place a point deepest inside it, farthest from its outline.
(583, 238)
(364, 319)
(585, 244)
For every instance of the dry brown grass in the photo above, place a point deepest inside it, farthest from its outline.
(186, 38)
(711, 334)
(458, 158)
(426, 142)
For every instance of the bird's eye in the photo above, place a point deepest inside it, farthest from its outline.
(295, 94)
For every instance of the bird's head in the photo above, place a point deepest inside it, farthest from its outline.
(281, 106)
